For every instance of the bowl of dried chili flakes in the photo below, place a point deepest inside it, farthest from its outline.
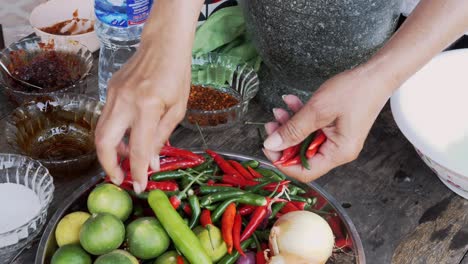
(221, 90)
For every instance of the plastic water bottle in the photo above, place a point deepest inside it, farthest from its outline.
(118, 25)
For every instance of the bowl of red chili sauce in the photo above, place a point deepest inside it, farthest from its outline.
(57, 68)
(221, 90)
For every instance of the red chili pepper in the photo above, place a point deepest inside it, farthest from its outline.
(175, 201)
(205, 218)
(321, 202)
(257, 218)
(210, 182)
(335, 225)
(125, 164)
(246, 209)
(310, 153)
(180, 259)
(223, 184)
(288, 154)
(344, 243)
(319, 138)
(289, 207)
(260, 257)
(168, 186)
(294, 161)
(236, 232)
(254, 173)
(242, 171)
(180, 164)
(227, 224)
(225, 166)
(279, 186)
(181, 153)
(301, 205)
(237, 181)
(187, 209)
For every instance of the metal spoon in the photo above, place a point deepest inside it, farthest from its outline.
(5, 69)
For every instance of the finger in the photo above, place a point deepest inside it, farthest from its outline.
(141, 144)
(302, 124)
(293, 102)
(281, 115)
(165, 128)
(109, 132)
(272, 155)
(271, 127)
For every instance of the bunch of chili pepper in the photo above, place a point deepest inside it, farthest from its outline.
(301, 153)
(242, 199)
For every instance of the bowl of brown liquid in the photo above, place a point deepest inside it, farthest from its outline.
(57, 130)
(57, 68)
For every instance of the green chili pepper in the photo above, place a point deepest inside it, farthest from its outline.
(205, 165)
(205, 189)
(196, 210)
(267, 173)
(183, 237)
(298, 189)
(298, 198)
(257, 187)
(231, 259)
(247, 198)
(174, 175)
(275, 208)
(302, 153)
(211, 207)
(251, 163)
(221, 196)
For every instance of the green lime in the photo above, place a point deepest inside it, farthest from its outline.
(169, 257)
(108, 198)
(68, 229)
(71, 254)
(146, 238)
(102, 233)
(117, 257)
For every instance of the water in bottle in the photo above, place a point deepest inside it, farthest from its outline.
(118, 25)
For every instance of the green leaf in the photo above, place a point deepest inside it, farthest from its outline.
(219, 29)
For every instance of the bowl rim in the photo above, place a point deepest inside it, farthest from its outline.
(47, 203)
(65, 205)
(37, 39)
(92, 154)
(405, 128)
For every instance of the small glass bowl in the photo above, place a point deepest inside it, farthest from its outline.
(58, 130)
(229, 76)
(34, 45)
(25, 171)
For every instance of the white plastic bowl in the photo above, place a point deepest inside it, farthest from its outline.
(431, 110)
(54, 11)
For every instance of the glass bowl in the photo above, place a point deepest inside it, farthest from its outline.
(58, 130)
(25, 171)
(228, 75)
(78, 59)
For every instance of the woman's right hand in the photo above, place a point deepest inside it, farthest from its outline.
(148, 95)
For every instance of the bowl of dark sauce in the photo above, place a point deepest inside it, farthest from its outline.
(57, 130)
(57, 68)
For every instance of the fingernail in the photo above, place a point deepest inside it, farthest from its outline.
(137, 187)
(273, 142)
(284, 96)
(275, 112)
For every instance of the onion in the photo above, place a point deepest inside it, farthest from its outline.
(248, 259)
(301, 237)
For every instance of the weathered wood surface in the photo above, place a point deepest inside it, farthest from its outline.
(403, 213)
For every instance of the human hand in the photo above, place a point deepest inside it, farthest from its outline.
(344, 107)
(148, 97)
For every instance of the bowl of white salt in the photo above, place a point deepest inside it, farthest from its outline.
(26, 191)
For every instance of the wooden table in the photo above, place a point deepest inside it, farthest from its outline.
(402, 211)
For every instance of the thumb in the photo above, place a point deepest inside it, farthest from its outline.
(293, 132)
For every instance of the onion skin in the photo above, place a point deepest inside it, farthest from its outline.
(301, 237)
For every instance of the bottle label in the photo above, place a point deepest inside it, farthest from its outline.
(122, 13)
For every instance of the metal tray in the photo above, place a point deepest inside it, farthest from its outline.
(77, 201)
